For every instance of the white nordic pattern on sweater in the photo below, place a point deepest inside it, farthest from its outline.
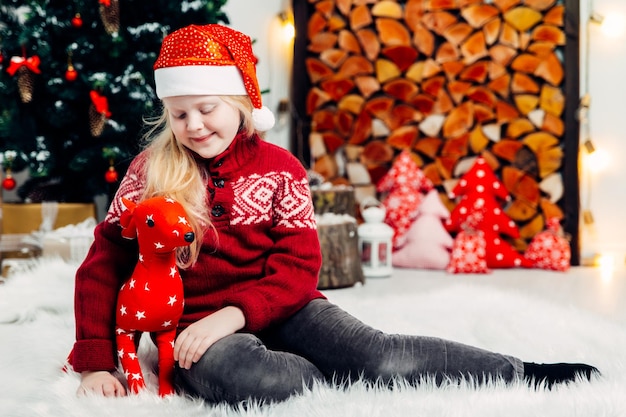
(275, 196)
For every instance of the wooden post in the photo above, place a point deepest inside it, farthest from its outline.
(341, 261)
(338, 200)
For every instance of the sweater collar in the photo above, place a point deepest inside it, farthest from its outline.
(240, 151)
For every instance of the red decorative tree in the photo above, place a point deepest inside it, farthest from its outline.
(404, 186)
(479, 190)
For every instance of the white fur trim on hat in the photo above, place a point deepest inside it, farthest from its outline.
(199, 80)
(263, 119)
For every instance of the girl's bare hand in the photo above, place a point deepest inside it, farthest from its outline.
(192, 342)
(101, 383)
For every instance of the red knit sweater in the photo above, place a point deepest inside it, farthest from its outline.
(265, 261)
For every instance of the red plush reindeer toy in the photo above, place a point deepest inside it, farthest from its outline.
(151, 300)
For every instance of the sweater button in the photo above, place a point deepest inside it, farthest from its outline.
(217, 211)
(219, 163)
(219, 182)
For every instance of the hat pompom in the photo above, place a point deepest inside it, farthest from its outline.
(263, 119)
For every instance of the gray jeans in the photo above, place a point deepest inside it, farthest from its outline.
(323, 342)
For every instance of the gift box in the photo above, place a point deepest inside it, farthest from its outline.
(47, 216)
(71, 242)
(46, 229)
(16, 252)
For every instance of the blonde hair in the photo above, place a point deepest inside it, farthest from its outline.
(172, 170)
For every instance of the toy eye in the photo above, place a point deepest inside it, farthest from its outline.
(150, 221)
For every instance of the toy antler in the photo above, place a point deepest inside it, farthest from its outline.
(129, 229)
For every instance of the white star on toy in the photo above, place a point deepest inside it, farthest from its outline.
(136, 377)
(182, 220)
(131, 284)
(172, 300)
(173, 271)
(167, 323)
(145, 287)
(120, 353)
(158, 245)
(133, 356)
(140, 315)
(123, 310)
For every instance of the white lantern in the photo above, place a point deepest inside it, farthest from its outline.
(375, 241)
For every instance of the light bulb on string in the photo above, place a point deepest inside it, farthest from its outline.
(598, 161)
(287, 26)
(613, 25)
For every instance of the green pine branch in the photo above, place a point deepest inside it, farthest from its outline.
(53, 129)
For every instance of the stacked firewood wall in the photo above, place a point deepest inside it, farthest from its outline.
(449, 80)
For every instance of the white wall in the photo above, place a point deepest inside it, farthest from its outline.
(607, 199)
(259, 20)
(605, 192)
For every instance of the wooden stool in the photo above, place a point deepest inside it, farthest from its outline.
(341, 261)
(337, 199)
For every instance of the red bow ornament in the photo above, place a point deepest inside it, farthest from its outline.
(100, 103)
(17, 62)
(98, 113)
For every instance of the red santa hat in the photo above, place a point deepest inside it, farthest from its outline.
(210, 60)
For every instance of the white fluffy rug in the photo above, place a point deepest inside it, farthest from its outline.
(36, 333)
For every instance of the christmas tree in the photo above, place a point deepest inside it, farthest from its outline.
(76, 82)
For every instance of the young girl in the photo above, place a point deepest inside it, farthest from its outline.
(254, 326)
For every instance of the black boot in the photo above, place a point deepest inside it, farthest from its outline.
(556, 373)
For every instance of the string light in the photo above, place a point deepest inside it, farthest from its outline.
(585, 132)
(612, 25)
(288, 26)
(606, 263)
(585, 126)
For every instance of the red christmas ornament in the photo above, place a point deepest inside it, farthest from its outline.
(8, 183)
(111, 175)
(77, 21)
(71, 74)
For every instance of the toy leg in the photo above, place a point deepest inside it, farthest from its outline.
(165, 346)
(127, 353)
